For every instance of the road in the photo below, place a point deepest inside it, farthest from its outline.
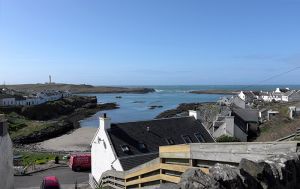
(65, 175)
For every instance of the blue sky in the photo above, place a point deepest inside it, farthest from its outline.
(149, 42)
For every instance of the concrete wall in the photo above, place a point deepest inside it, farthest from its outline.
(239, 134)
(230, 125)
(220, 131)
(234, 152)
(6, 158)
(103, 157)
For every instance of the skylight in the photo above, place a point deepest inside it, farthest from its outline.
(199, 137)
(186, 139)
(125, 148)
(170, 141)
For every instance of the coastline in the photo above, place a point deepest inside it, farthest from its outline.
(53, 119)
(80, 89)
(78, 140)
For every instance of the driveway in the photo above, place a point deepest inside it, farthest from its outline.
(65, 175)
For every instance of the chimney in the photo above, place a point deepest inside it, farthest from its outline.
(104, 122)
(292, 110)
(195, 114)
(3, 125)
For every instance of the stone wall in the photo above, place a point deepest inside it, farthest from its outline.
(276, 172)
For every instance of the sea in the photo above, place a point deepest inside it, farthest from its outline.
(136, 107)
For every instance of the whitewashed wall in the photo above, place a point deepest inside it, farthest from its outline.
(103, 158)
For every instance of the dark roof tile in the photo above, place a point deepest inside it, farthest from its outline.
(154, 134)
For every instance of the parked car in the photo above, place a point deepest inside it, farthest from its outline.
(80, 162)
(50, 182)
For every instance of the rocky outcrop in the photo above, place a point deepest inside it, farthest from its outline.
(52, 130)
(55, 109)
(276, 172)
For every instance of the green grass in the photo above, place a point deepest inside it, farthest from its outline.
(20, 126)
(31, 127)
(37, 158)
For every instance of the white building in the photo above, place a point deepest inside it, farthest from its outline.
(6, 157)
(31, 100)
(7, 101)
(280, 95)
(124, 146)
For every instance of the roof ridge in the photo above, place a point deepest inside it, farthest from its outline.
(154, 119)
(137, 155)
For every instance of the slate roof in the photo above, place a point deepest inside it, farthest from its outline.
(217, 124)
(134, 161)
(2, 96)
(248, 115)
(152, 134)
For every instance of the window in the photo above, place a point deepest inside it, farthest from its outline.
(170, 141)
(125, 148)
(199, 137)
(186, 139)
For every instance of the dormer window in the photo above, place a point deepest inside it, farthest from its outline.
(187, 139)
(170, 141)
(125, 148)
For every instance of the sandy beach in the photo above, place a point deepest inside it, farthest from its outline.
(79, 140)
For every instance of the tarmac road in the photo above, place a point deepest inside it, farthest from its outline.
(65, 175)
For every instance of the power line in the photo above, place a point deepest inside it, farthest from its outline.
(274, 76)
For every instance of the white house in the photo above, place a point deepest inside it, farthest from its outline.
(280, 95)
(7, 100)
(6, 157)
(124, 146)
(33, 99)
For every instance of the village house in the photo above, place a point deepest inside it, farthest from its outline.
(281, 95)
(124, 146)
(14, 98)
(7, 100)
(6, 157)
(246, 120)
(237, 123)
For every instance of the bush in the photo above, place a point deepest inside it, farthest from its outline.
(226, 138)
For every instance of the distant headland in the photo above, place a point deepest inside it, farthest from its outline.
(79, 88)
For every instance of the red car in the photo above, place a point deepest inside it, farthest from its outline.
(80, 162)
(50, 182)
